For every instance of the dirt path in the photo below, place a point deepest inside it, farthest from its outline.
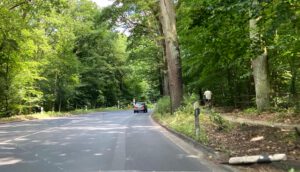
(274, 138)
(256, 122)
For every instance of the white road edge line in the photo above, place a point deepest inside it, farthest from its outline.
(187, 148)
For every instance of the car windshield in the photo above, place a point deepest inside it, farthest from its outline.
(140, 103)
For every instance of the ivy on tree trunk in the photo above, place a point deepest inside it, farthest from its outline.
(259, 63)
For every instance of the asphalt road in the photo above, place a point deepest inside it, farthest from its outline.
(106, 141)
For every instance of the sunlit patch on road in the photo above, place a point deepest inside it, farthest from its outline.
(9, 161)
(98, 154)
(6, 148)
(117, 141)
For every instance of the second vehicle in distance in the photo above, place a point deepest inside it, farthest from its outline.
(140, 107)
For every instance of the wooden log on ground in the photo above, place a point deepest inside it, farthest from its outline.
(257, 159)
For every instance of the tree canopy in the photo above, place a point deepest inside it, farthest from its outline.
(68, 54)
(59, 55)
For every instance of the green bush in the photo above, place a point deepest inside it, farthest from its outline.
(220, 122)
(163, 105)
(251, 110)
(292, 170)
(189, 99)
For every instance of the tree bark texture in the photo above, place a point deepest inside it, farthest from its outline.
(261, 80)
(259, 64)
(168, 22)
(164, 67)
(162, 43)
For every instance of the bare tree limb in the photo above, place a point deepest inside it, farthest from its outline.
(19, 4)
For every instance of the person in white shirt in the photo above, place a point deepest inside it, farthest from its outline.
(207, 96)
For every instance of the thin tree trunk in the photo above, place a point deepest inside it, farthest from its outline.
(166, 87)
(6, 90)
(230, 88)
(59, 107)
(55, 91)
(293, 68)
(293, 86)
(168, 22)
(160, 81)
(259, 64)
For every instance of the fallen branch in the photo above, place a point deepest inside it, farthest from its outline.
(257, 159)
(258, 138)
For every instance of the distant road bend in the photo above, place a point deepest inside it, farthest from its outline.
(104, 141)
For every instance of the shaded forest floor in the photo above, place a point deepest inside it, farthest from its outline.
(253, 140)
(284, 117)
(232, 138)
(267, 133)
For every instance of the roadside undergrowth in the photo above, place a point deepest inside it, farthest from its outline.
(183, 120)
(229, 138)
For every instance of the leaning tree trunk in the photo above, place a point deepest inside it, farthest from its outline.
(168, 22)
(260, 63)
(162, 43)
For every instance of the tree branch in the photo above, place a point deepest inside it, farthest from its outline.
(19, 4)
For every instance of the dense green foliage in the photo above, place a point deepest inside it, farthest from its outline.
(63, 55)
(163, 105)
(60, 55)
(216, 50)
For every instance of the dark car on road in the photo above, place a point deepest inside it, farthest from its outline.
(140, 107)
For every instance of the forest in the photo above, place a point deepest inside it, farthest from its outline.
(67, 54)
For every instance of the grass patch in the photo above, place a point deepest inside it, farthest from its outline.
(184, 123)
(50, 114)
(183, 120)
(250, 111)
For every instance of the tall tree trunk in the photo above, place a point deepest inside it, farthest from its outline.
(168, 22)
(261, 80)
(7, 85)
(162, 43)
(260, 63)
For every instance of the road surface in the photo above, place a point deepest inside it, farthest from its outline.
(104, 141)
